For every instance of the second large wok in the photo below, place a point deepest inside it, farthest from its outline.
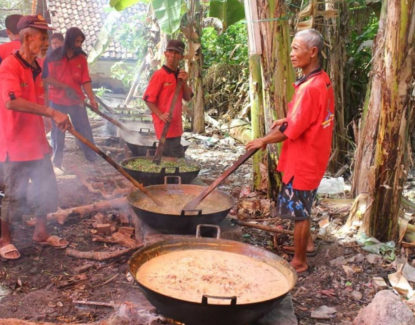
(170, 218)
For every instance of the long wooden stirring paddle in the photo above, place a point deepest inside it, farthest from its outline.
(191, 205)
(108, 118)
(114, 164)
(162, 141)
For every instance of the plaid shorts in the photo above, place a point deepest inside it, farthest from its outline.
(295, 204)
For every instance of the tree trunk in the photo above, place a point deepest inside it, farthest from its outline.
(277, 73)
(394, 70)
(337, 28)
(192, 32)
(257, 117)
(362, 179)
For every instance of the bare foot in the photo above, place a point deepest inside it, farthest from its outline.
(310, 249)
(299, 267)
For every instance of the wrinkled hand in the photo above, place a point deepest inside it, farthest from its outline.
(164, 117)
(183, 75)
(278, 123)
(94, 105)
(61, 120)
(256, 144)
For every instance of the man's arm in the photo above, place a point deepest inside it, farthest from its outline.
(187, 91)
(88, 89)
(156, 111)
(273, 137)
(23, 105)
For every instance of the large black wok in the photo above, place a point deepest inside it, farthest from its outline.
(170, 218)
(154, 178)
(205, 312)
(142, 138)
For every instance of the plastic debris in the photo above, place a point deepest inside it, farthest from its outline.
(330, 185)
(372, 245)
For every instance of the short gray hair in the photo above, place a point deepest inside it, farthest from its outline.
(312, 37)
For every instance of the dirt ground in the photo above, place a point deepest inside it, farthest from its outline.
(45, 283)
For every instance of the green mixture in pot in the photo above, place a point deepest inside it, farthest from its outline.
(147, 165)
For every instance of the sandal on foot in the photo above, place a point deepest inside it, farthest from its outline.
(54, 241)
(6, 251)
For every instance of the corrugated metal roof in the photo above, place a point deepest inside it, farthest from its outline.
(89, 16)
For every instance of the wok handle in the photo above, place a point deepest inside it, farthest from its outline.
(205, 299)
(148, 130)
(150, 152)
(196, 212)
(166, 179)
(206, 225)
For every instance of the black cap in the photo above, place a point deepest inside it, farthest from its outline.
(11, 23)
(36, 21)
(175, 45)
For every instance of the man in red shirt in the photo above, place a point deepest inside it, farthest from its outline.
(11, 28)
(66, 72)
(306, 132)
(24, 149)
(159, 94)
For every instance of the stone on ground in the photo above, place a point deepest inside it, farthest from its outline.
(386, 308)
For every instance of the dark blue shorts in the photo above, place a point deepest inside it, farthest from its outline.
(295, 204)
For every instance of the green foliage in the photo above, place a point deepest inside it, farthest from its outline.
(228, 11)
(124, 72)
(363, 29)
(230, 47)
(101, 91)
(133, 36)
(123, 4)
(169, 14)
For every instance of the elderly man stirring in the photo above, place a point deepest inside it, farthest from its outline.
(306, 132)
(24, 149)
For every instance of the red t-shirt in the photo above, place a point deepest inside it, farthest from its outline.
(73, 72)
(8, 48)
(22, 135)
(310, 119)
(160, 91)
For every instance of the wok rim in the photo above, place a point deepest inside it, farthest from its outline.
(183, 239)
(122, 162)
(150, 187)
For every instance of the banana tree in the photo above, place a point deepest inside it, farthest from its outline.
(382, 155)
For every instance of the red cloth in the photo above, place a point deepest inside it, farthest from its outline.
(160, 91)
(22, 135)
(72, 72)
(310, 118)
(8, 48)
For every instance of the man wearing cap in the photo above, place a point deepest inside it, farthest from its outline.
(24, 149)
(11, 28)
(159, 94)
